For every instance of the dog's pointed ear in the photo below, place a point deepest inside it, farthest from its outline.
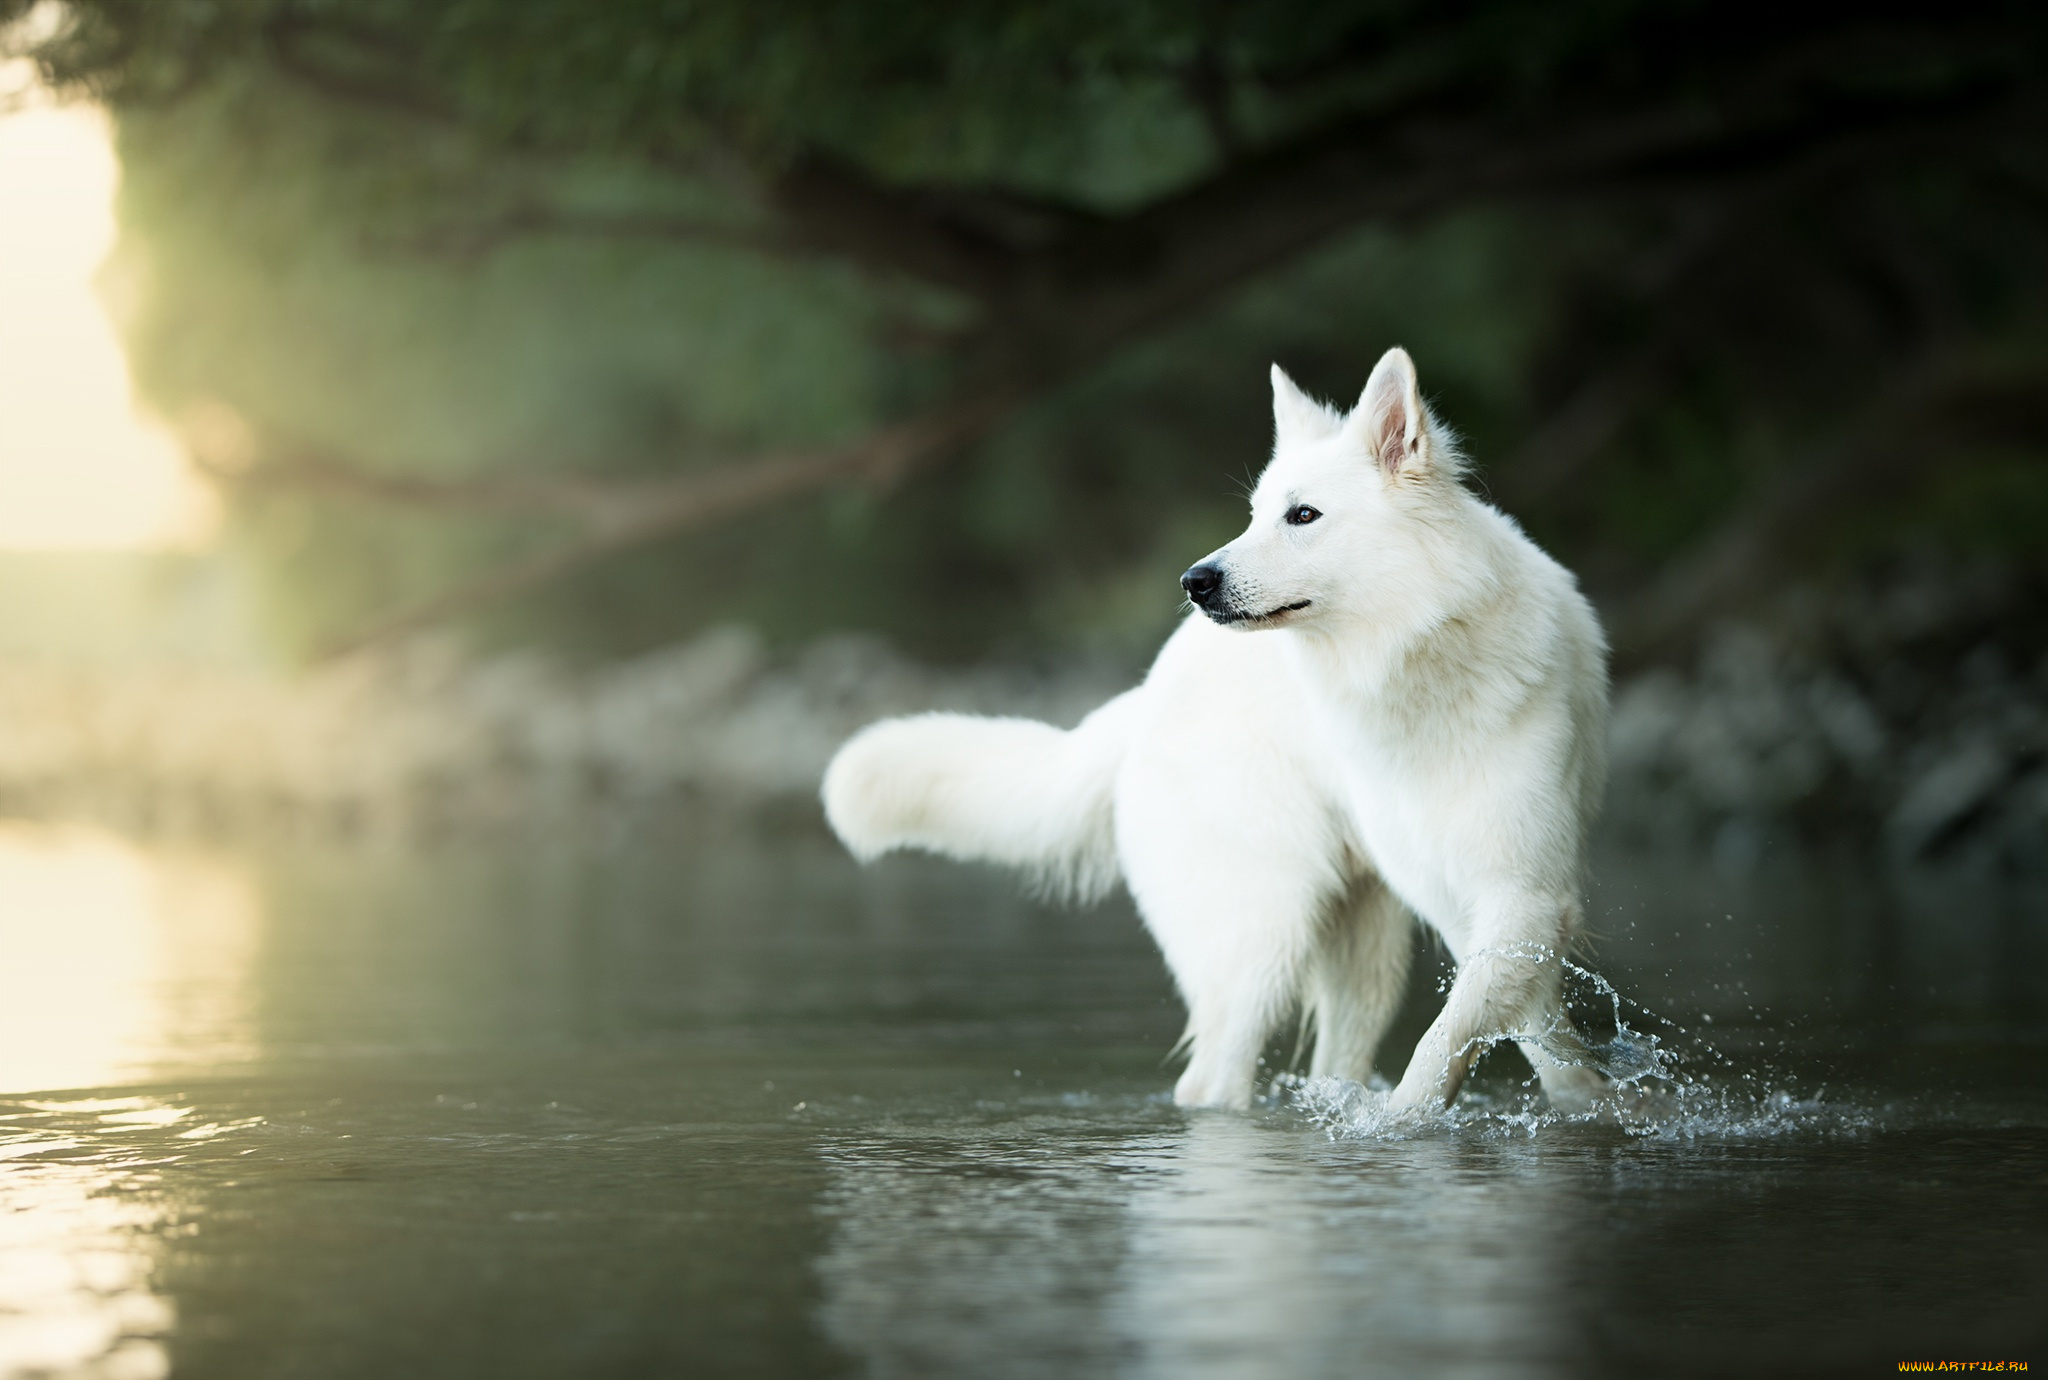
(1297, 416)
(1389, 421)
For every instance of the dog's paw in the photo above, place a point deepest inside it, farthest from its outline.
(1417, 1099)
(1577, 1089)
(1201, 1087)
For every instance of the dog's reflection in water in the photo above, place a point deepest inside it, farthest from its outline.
(1219, 1247)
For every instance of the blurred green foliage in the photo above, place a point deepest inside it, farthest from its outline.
(536, 238)
(275, 259)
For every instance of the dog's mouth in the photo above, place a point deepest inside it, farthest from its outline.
(1270, 616)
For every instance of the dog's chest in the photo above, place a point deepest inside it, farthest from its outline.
(1406, 821)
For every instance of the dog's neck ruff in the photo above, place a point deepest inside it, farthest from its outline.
(1395, 655)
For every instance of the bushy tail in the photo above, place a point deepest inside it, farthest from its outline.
(1009, 791)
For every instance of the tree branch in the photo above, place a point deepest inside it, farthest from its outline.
(1242, 229)
(473, 240)
(1557, 452)
(618, 517)
(1574, 433)
(288, 38)
(302, 470)
(1880, 458)
(1055, 276)
(1061, 287)
(1126, 276)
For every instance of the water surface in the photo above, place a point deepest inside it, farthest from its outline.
(707, 1100)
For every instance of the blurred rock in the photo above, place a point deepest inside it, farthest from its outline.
(1901, 716)
(1906, 713)
(422, 739)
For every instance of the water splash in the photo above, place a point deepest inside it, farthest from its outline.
(1666, 1082)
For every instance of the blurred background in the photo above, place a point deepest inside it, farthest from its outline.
(465, 465)
(483, 424)
(629, 401)
(497, 422)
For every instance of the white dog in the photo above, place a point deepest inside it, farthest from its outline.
(1394, 700)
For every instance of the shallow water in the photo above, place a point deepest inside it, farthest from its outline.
(710, 1101)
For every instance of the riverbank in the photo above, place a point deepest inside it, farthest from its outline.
(1905, 718)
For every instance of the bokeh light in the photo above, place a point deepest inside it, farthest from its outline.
(78, 467)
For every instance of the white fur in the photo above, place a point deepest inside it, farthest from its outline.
(1426, 730)
(1009, 791)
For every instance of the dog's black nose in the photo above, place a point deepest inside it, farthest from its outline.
(1201, 582)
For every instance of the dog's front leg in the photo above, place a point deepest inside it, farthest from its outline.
(1509, 983)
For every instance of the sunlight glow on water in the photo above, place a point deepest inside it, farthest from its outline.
(117, 959)
(80, 1232)
(720, 1103)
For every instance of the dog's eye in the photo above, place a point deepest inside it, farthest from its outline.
(1300, 515)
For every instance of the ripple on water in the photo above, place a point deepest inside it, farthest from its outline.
(80, 1229)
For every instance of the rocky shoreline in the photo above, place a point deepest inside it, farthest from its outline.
(426, 742)
(1905, 717)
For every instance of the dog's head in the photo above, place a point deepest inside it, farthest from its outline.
(1339, 515)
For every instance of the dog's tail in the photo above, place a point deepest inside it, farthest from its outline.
(1009, 791)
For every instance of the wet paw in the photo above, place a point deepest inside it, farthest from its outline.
(1200, 1087)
